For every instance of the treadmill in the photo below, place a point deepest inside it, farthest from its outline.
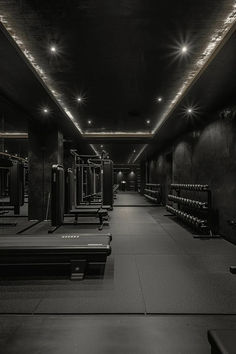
(73, 255)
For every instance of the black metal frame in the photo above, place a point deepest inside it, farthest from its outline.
(153, 192)
(195, 213)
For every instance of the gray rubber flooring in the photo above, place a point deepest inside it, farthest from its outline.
(108, 334)
(156, 267)
(131, 199)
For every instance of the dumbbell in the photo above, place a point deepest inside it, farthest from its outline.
(201, 223)
(189, 218)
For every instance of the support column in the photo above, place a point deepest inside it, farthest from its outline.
(143, 176)
(45, 149)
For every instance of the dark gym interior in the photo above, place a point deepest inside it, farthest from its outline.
(117, 176)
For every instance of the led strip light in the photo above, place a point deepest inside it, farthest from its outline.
(211, 48)
(216, 40)
(31, 59)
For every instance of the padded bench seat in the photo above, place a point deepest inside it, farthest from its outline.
(71, 253)
(102, 214)
(93, 206)
(222, 341)
(88, 211)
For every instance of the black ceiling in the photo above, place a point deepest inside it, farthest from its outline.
(119, 55)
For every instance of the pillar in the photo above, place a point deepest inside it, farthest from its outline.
(45, 149)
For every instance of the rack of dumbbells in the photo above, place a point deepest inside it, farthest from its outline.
(153, 192)
(193, 208)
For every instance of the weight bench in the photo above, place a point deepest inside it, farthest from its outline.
(101, 214)
(2, 212)
(93, 206)
(222, 341)
(72, 254)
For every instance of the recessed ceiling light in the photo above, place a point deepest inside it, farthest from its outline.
(101, 146)
(184, 49)
(5, 150)
(148, 121)
(134, 150)
(45, 110)
(159, 99)
(79, 99)
(53, 49)
(189, 110)
(89, 122)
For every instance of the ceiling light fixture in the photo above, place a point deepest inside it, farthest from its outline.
(89, 122)
(148, 121)
(53, 49)
(45, 110)
(13, 135)
(184, 49)
(191, 110)
(159, 99)
(117, 133)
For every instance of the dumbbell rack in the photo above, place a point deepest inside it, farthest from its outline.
(189, 209)
(153, 192)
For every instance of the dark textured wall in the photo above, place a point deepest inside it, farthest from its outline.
(160, 171)
(205, 157)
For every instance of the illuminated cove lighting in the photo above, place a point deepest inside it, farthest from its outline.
(216, 39)
(40, 72)
(212, 47)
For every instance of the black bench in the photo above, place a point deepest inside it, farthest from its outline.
(222, 341)
(71, 254)
(101, 214)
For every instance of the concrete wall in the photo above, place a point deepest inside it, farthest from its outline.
(205, 157)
